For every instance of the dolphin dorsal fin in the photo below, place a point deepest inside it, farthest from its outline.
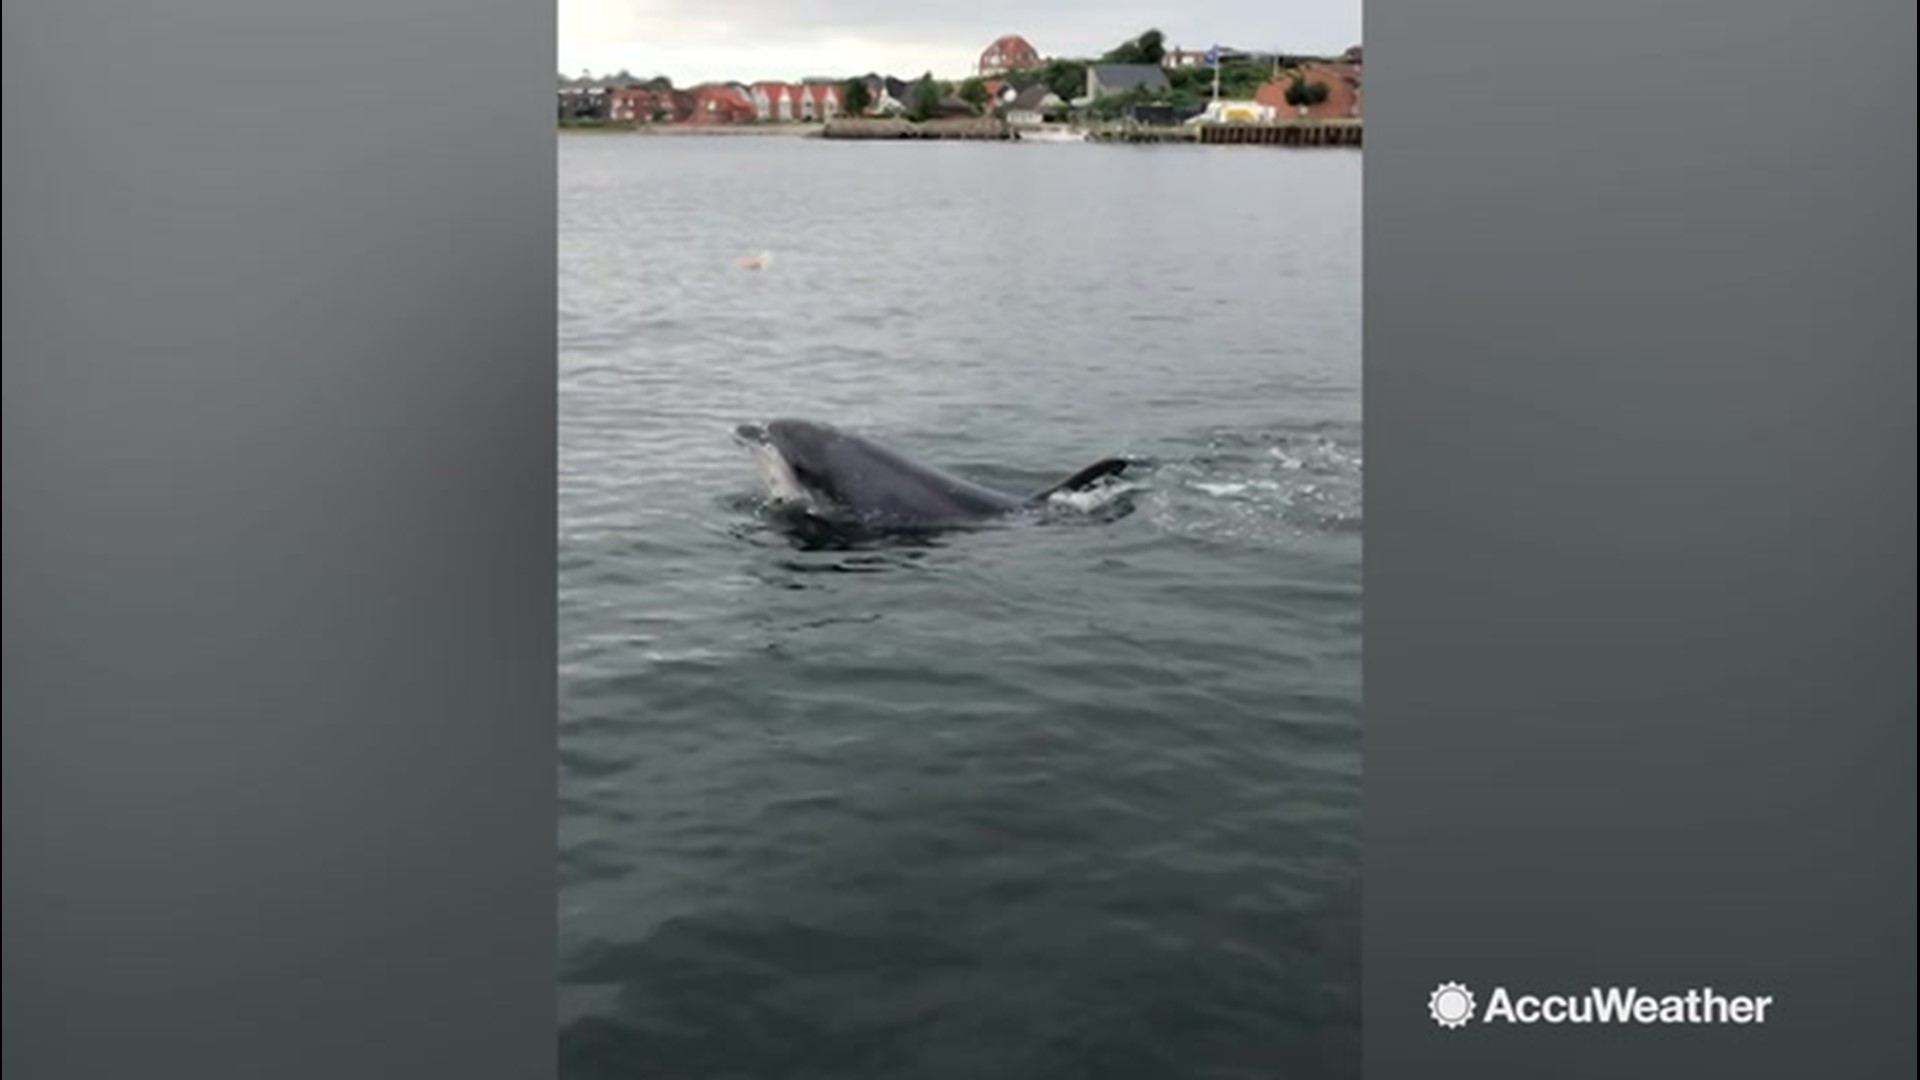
(1099, 470)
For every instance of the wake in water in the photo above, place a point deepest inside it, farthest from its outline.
(1264, 485)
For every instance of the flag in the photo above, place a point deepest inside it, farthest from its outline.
(1213, 55)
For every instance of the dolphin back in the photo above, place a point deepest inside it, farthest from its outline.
(857, 477)
(874, 480)
(1081, 480)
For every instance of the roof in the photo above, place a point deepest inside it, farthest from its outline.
(1007, 52)
(1033, 97)
(1126, 76)
(726, 92)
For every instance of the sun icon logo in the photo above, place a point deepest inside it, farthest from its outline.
(1451, 1005)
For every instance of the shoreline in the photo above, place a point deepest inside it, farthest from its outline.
(786, 131)
(1286, 131)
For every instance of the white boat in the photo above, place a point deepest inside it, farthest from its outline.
(1051, 133)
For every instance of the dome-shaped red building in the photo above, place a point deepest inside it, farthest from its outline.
(1009, 53)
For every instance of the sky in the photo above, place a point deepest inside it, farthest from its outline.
(693, 41)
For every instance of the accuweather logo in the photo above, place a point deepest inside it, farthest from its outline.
(1453, 1006)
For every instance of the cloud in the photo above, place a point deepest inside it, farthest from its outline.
(695, 40)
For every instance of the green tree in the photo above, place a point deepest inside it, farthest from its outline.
(974, 92)
(926, 99)
(1114, 106)
(855, 98)
(1301, 92)
(1152, 46)
(1148, 48)
(1067, 78)
(1195, 79)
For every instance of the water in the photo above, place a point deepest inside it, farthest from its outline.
(1051, 800)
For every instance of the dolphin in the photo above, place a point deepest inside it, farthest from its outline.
(838, 475)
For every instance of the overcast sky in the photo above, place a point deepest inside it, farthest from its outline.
(699, 40)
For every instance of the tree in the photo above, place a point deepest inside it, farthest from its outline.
(855, 97)
(1148, 48)
(974, 92)
(1105, 108)
(1238, 79)
(1113, 106)
(926, 99)
(1153, 47)
(1301, 92)
(1065, 78)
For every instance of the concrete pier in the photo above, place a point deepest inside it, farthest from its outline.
(1275, 133)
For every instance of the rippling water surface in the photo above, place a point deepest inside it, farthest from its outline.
(1073, 798)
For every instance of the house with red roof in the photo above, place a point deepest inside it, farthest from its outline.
(771, 103)
(721, 103)
(818, 100)
(786, 103)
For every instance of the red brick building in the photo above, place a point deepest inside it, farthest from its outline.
(645, 104)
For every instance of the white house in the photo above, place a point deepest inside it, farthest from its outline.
(1030, 107)
(772, 102)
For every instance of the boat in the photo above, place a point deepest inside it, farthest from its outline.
(1051, 133)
